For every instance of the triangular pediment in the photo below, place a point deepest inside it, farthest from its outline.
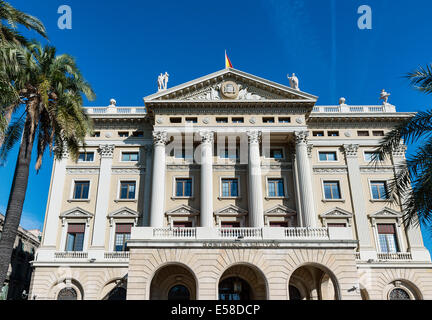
(230, 210)
(280, 210)
(123, 213)
(337, 213)
(230, 85)
(386, 213)
(183, 210)
(76, 213)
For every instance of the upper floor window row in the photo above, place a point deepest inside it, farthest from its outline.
(86, 157)
(130, 156)
(366, 133)
(327, 156)
(322, 133)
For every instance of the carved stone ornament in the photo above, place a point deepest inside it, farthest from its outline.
(106, 150)
(351, 150)
(206, 136)
(301, 137)
(160, 137)
(252, 120)
(309, 150)
(206, 120)
(229, 89)
(254, 136)
(299, 120)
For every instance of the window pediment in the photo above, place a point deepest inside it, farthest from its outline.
(183, 210)
(386, 213)
(336, 213)
(76, 213)
(231, 210)
(123, 213)
(280, 210)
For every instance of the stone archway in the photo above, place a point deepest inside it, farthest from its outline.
(242, 282)
(313, 282)
(173, 281)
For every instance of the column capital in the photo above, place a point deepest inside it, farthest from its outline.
(206, 136)
(160, 137)
(351, 150)
(254, 136)
(106, 150)
(301, 137)
(399, 151)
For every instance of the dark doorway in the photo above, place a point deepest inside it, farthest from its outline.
(179, 292)
(234, 289)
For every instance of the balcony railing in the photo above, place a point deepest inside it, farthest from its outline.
(115, 110)
(116, 255)
(174, 233)
(71, 255)
(354, 109)
(307, 233)
(394, 256)
(246, 233)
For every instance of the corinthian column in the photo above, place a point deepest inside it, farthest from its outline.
(256, 211)
(305, 179)
(147, 184)
(106, 152)
(206, 178)
(157, 208)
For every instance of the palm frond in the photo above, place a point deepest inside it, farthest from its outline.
(421, 79)
(12, 136)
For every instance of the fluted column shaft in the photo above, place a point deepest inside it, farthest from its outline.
(256, 210)
(305, 179)
(206, 189)
(157, 207)
(147, 185)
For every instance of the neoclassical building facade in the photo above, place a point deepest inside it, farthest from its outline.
(231, 187)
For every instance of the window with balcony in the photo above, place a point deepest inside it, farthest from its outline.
(387, 238)
(86, 157)
(327, 156)
(229, 224)
(127, 190)
(276, 188)
(130, 156)
(230, 188)
(332, 190)
(182, 224)
(372, 156)
(379, 190)
(81, 190)
(75, 237)
(122, 235)
(183, 187)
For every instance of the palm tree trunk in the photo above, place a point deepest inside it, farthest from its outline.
(18, 189)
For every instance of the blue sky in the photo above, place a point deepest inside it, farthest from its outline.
(121, 47)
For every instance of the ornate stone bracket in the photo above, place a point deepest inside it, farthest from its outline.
(106, 150)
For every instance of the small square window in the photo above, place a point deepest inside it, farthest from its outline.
(183, 187)
(327, 156)
(138, 134)
(238, 120)
(333, 133)
(222, 120)
(192, 120)
(332, 190)
(95, 134)
(130, 156)
(378, 133)
(123, 134)
(127, 189)
(363, 133)
(284, 120)
(269, 120)
(318, 133)
(81, 190)
(370, 156)
(175, 120)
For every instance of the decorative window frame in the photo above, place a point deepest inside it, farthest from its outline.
(182, 213)
(75, 215)
(72, 190)
(174, 179)
(280, 213)
(342, 194)
(87, 151)
(268, 197)
(123, 215)
(413, 293)
(129, 151)
(238, 186)
(387, 216)
(371, 199)
(369, 151)
(231, 213)
(119, 190)
(336, 215)
(318, 151)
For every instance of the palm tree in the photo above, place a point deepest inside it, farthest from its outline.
(413, 181)
(51, 88)
(10, 18)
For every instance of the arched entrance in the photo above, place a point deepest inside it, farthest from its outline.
(67, 294)
(242, 282)
(313, 282)
(173, 282)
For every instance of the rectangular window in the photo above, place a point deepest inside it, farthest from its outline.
(268, 120)
(130, 156)
(95, 134)
(127, 189)
(387, 238)
(86, 157)
(227, 224)
(363, 133)
(327, 156)
(183, 187)
(318, 133)
(182, 224)
(276, 153)
(229, 187)
(175, 120)
(379, 190)
(284, 120)
(276, 188)
(332, 190)
(123, 134)
(222, 120)
(275, 224)
(122, 235)
(379, 133)
(371, 156)
(81, 189)
(75, 237)
(192, 120)
(138, 134)
(333, 133)
(238, 120)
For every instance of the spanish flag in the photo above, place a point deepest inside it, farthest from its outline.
(227, 61)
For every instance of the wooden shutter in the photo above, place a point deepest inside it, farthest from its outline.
(76, 228)
(386, 229)
(123, 227)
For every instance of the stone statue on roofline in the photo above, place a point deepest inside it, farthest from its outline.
(163, 81)
(294, 81)
(384, 96)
